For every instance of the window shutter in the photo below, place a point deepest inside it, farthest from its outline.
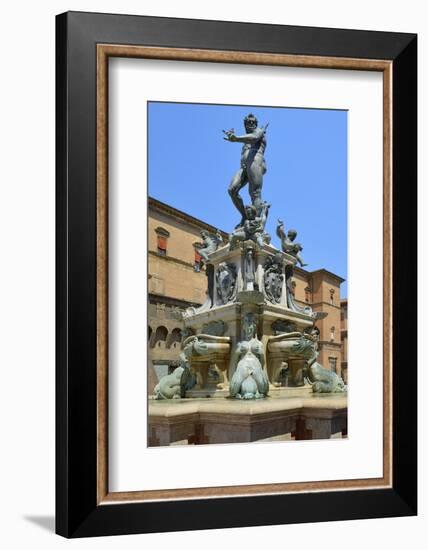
(161, 242)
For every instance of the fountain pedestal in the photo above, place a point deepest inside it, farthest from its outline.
(241, 282)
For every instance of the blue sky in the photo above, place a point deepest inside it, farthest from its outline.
(191, 165)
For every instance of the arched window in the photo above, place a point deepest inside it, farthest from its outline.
(162, 240)
(174, 339)
(161, 335)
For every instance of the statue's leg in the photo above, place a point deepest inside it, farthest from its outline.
(300, 260)
(237, 235)
(203, 254)
(255, 178)
(238, 181)
(259, 239)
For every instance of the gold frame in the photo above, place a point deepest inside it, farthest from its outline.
(104, 51)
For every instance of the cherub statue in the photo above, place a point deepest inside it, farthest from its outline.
(211, 243)
(287, 242)
(253, 226)
(219, 237)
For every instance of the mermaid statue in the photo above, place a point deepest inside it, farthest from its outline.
(250, 380)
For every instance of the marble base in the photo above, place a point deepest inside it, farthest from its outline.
(226, 420)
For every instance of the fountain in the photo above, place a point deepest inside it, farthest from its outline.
(248, 332)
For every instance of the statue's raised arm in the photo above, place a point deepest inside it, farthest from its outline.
(252, 137)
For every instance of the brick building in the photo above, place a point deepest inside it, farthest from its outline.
(175, 284)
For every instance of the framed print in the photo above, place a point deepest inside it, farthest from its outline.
(236, 237)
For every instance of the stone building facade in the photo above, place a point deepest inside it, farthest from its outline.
(175, 283)
(321, 290)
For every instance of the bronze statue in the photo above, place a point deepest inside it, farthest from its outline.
(253, 165)
(253, 227)
(250, 380)
(287, 242)
(210, 244)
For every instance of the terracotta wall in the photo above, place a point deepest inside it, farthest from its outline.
(173, 275)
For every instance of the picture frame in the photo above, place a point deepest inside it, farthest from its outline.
(84, 44)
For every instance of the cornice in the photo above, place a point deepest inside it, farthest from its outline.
(155, 204)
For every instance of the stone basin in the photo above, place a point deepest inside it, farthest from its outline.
(207, 421)
(215, 358)
(292, 349)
